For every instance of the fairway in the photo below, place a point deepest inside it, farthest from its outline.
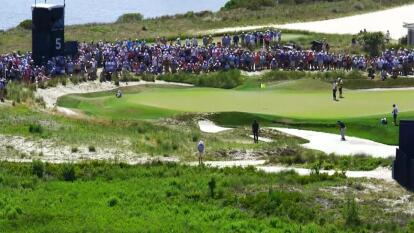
(304, 99)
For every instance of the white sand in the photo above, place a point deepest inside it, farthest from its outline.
(207, 126)
(391, 19)
(331, 143)
(51, 95)
(379, 173)
(387, 89)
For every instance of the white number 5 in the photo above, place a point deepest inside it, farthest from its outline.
(58, 43)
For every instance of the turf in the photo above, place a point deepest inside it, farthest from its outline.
(303, 99)
(304, 103)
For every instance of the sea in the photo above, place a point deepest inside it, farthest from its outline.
(12, 12)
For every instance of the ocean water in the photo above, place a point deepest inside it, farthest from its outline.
(12, 12)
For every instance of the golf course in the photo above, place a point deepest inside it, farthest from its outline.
(307, 101)
(270, 116)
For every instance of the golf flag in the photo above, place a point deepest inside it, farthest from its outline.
(262, 86)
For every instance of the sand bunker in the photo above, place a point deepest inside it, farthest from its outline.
(331, 143)
(207, 126)
(379, 173)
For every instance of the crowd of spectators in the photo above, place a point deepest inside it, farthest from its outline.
(252, 51)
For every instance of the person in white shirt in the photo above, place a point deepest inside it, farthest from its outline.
(334, 90)
(395, 114)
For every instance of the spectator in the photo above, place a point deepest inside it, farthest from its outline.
(342, 129)
(395, 114)
(2, 89)
(255, 129)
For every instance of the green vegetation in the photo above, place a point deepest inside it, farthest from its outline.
(222, 79)
(26, 24)
(130, 18)
(373, 42)
(301, 99)
(190, 24)
(160, 198)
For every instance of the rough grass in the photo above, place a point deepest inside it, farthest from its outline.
(173, 198)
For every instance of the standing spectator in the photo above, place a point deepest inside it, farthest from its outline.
(2, 88)
(340, 87)
(334, 90)
(201, 148)
(342, 129)
(387, 37)
(395, 114)
(255, 129)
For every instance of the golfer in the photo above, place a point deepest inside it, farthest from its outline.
(342, 129)
(201, 148)
(255, 129)
(395, 114)
(340, 86)
(334, 90)
(2, 89)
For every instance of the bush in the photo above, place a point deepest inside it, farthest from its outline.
(26, 24)
(359, 6)
(35, 129)
(130, 18)
(92, 149)
(350, 212)
(248, 4)
(113, 202)
(373, 42)
(212, 187)
(38, 168)
(68, 172)
(75, 150)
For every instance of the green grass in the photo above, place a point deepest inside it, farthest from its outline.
(173, 198)
(302, 103)
(280, 100)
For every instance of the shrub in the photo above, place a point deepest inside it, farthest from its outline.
(75, 150)
(38, 168)
(130, 18)
(373, 42)
(26, 24)
(212, 186)
(359, 6)
(68, 172)
(248, 4)
(92, 149)
(113, 202)
(350, 212)
(35, 129)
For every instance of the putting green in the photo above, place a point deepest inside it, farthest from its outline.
(307, 99)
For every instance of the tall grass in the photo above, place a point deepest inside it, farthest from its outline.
(222, 79)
